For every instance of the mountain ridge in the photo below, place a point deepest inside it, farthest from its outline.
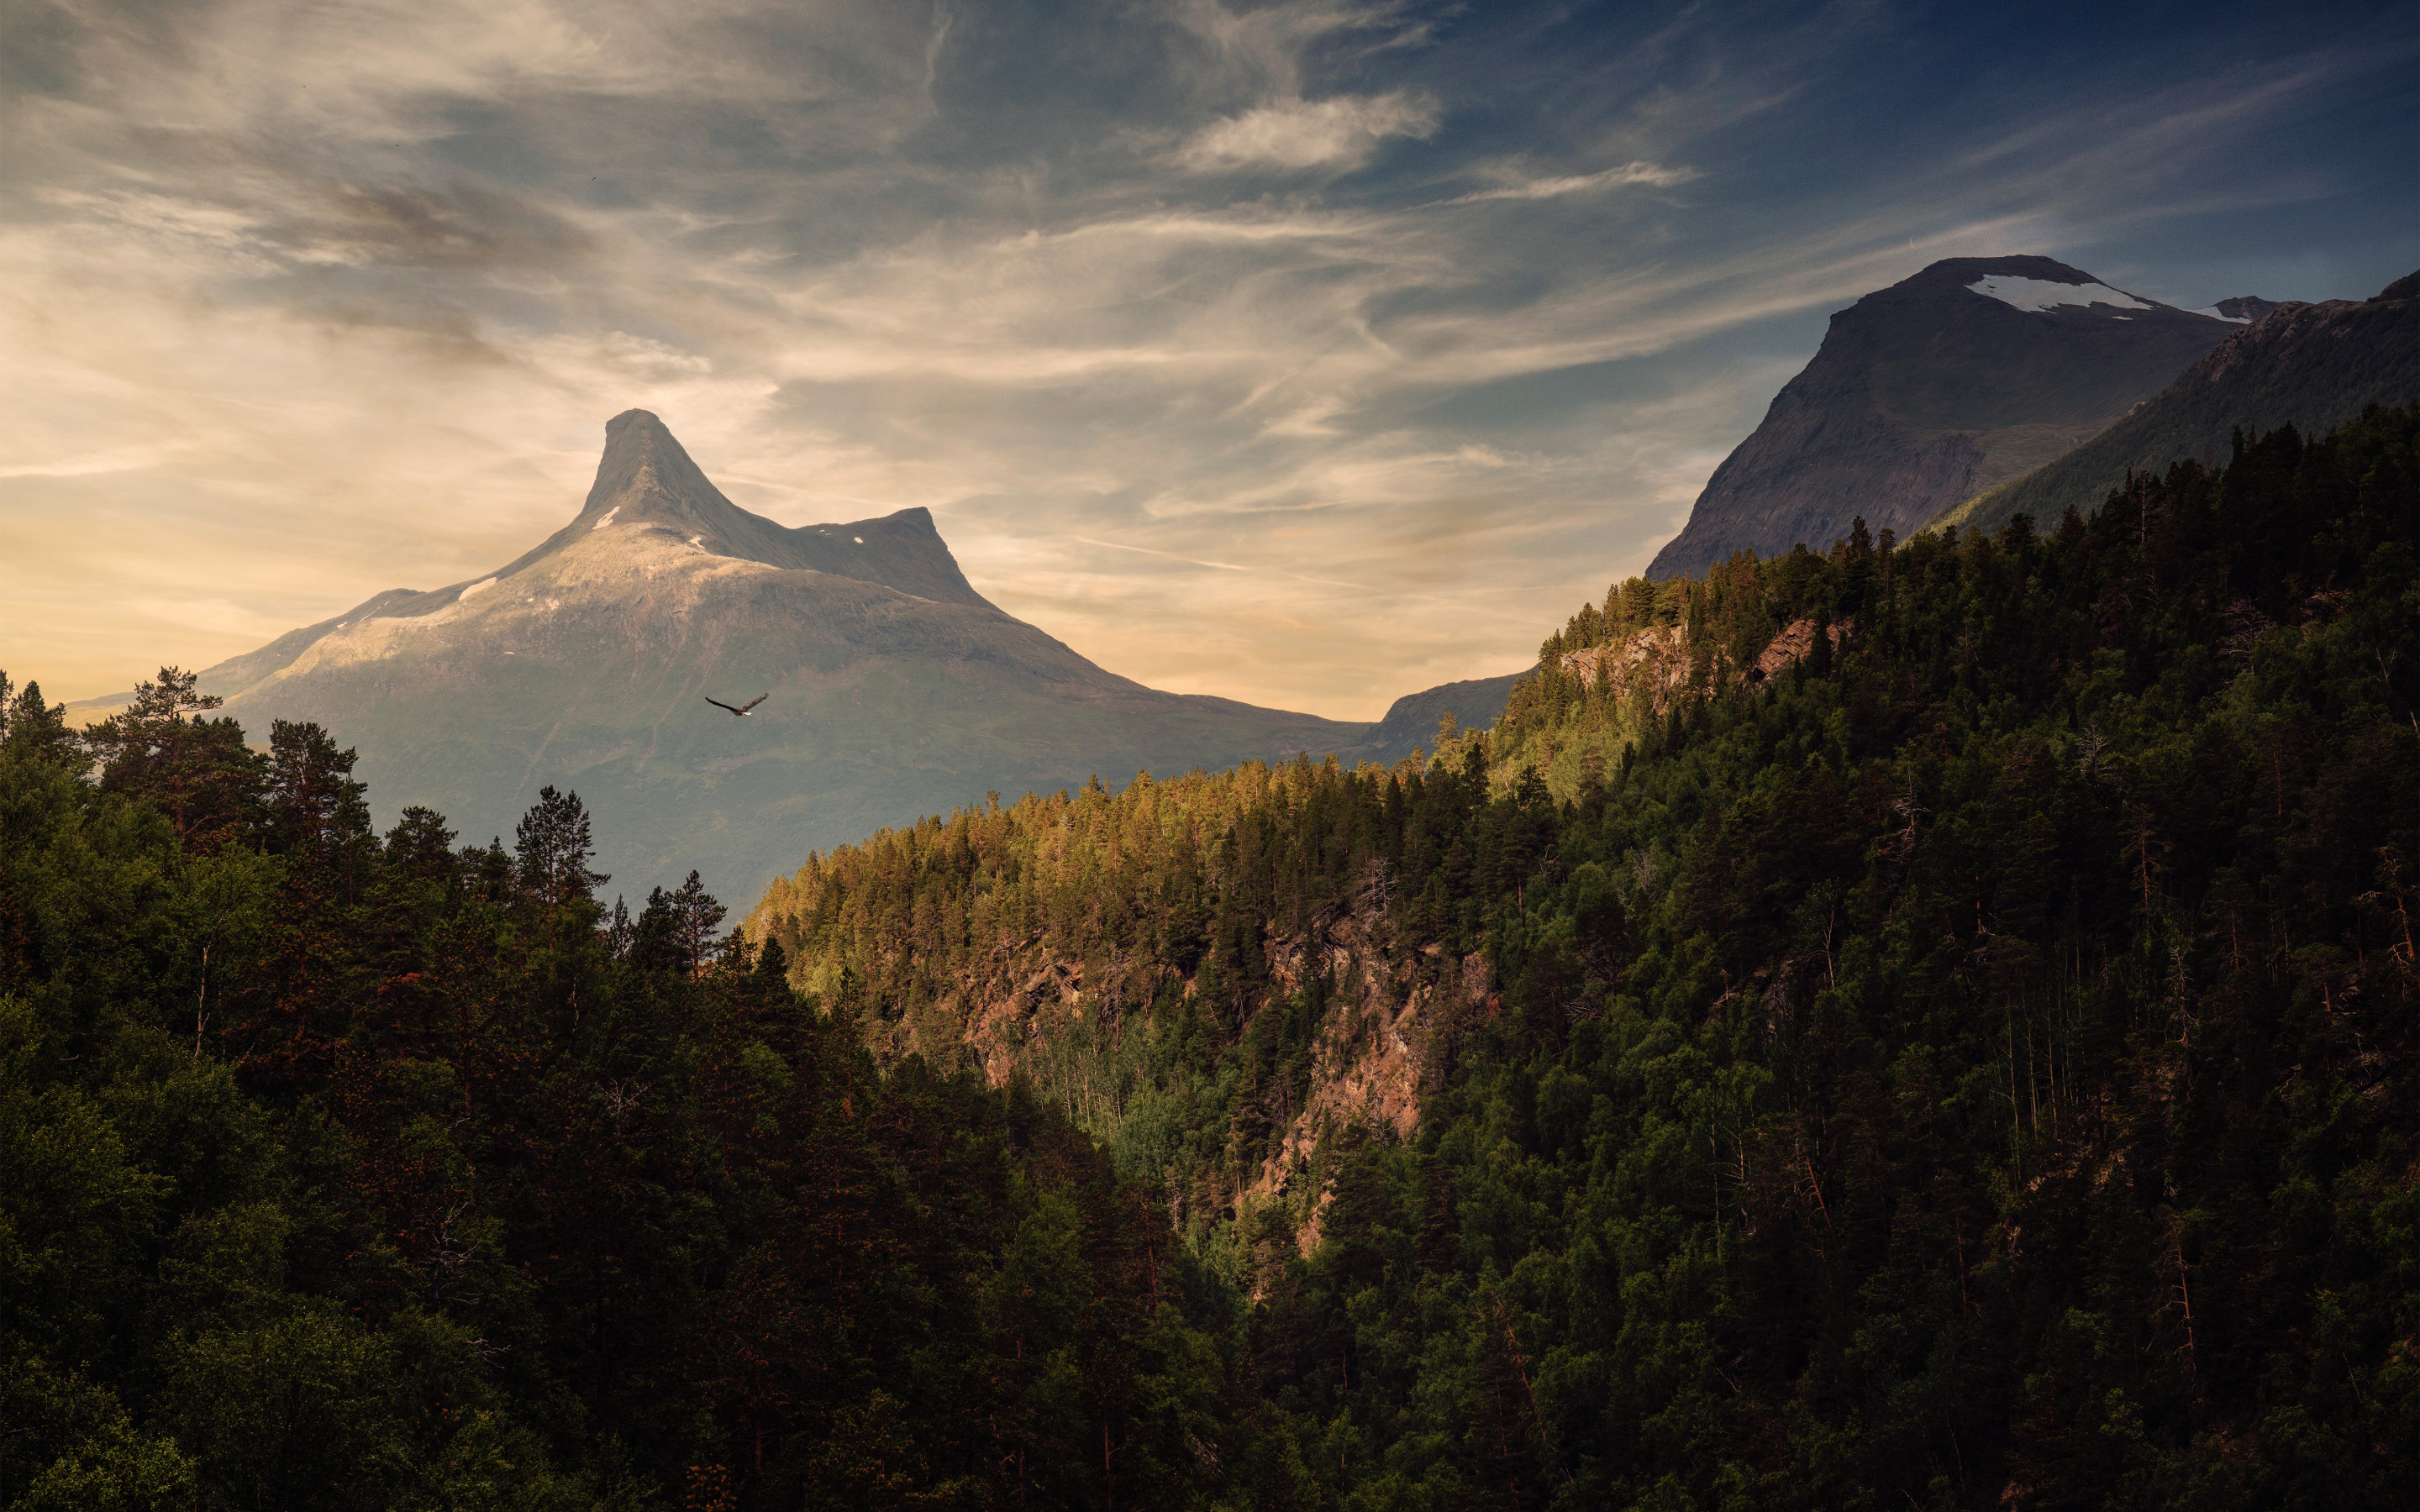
(2313, 366)
(646, 472)
(898, 691)
(1928, 391)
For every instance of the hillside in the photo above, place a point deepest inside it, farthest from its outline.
(2314, 367)
(1411, 722)
(1928, 1026)
(1847, 1006)
(1971, 371)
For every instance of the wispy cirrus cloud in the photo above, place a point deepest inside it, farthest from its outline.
(1557, 186)
(1338, 133)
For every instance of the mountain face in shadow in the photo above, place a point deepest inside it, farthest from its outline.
(1975, 371)
(894, 688)
(2314, 367)
(1411, 722)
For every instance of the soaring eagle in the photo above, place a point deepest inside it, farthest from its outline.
(742, 710)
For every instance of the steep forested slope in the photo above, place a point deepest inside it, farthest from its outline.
(1909, 1026)
(348, 1172)
(1942, 1026)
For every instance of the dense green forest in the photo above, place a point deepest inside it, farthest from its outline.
(1920, 1023)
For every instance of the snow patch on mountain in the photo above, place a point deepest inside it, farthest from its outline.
(2041, 294)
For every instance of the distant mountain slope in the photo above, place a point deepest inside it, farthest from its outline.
(1412, 719)
(2313, 366)
(895, 690)
(1974, 371)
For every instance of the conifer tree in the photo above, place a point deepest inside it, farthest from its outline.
(552, 847)
(36, 731)
(196, 771)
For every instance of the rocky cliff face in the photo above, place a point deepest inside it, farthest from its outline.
(1972, 372)
(2311, 366)
(1385, 1036)
(894, 688)
(1653, 663)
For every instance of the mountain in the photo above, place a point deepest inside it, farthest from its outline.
(1972, 372)
(894, 688)
(2311, 366)
(1411, 722)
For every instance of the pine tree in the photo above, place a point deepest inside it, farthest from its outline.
(196, 771)
(694, 916)
(35, 731)
(316, 808)
(552, 847)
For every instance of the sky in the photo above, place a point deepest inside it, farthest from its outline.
(1307, 353)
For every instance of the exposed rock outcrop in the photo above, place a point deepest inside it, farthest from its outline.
(1657, 661)
(1390, 1022)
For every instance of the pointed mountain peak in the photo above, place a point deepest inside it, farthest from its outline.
(645, 465)
(645, 420)
(2043, 290)
(648, 481)
(2024, 281)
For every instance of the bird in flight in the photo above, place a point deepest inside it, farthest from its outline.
(742, 709)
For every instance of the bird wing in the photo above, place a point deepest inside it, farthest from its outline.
(720, 705)
(752, 703)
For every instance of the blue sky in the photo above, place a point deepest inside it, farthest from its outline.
(1301, 353)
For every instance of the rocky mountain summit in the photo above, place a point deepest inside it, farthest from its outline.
(896, 690)
(1973, 372)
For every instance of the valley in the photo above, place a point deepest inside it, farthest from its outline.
(1924, 1019)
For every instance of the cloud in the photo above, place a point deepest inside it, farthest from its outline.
(1629, 173)
(125, 460)
(1338, 133)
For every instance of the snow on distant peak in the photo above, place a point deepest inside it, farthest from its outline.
(2211, 311)
(2041, 294)
(608, 519)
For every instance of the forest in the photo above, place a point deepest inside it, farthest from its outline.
(1921, 1023)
